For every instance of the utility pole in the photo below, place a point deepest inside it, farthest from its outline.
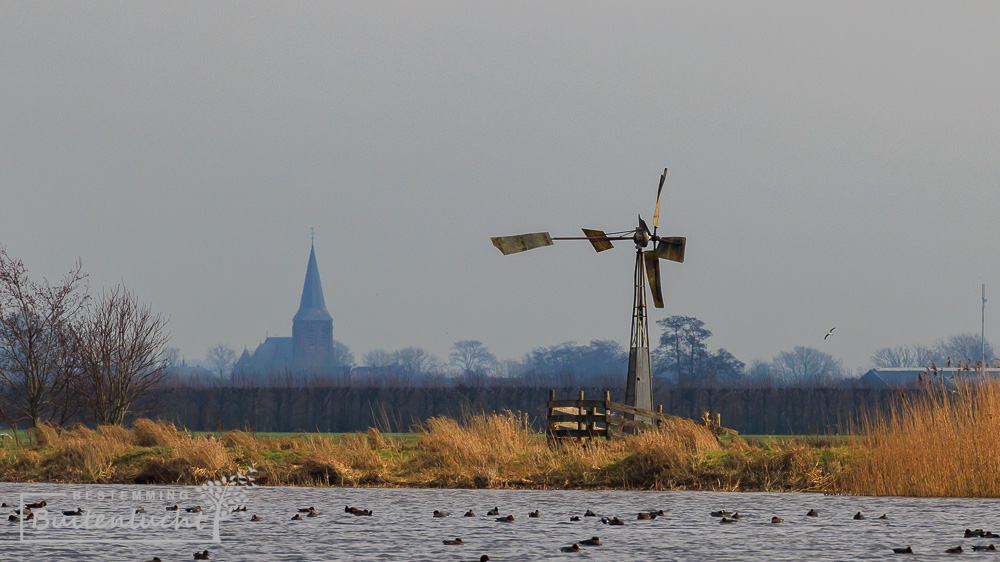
(983, 333)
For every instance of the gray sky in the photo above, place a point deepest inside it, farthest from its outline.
(832, 164)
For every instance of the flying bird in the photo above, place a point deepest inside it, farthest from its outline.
(830, 333)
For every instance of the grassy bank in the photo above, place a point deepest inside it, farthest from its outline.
(481, 451)
(938, 442)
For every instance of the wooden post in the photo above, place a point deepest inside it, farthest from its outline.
(718, 421)
(581, 425)
(659, 410)
(550, 437)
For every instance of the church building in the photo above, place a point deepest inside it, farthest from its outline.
(310, 349)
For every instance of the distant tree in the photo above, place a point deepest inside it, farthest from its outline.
(964, 348)
(471, 356)
(807, 365)
(223, 359)
(377, 359)
(171, 357)
(122, 343)
(342, 357)
(683, 354)
(414, 361)
(37, 355)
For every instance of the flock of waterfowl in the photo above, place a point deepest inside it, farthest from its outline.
(725, 518)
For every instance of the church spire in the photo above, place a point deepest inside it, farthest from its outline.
(313, 305)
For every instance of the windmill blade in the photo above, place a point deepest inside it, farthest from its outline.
(653, 277)
(521, 242)
(599, 239)
(642, 225)
(656, 213)
(671, 248)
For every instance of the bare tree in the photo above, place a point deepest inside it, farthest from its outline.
(36, 341)
(377, 359)
(342, 357)
(122, 345)
(223, 358)
(415, 361)
(808, 365)
(904, 356)
(471, 356)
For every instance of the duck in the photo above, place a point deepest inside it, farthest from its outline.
(982, 548)
(469, 513)
(615, 521)
(307, 509)
(726, 520)
(883, 516)
(29, 516)
(173, 508)
(13, 518)
(195, 509)
(440, 514)
(812, 513)
(79, 511)
(907, 550)
(141, 510)
(494, 511)
(592, 541)
(296, 517)
(255, 517)
(312, 514)
(574, 548)
(201, 555)
(956, 550)
(37, 505)
(357, 511)
(508, 519)
(970, 534)
(658, 513)
(457, 542)
(722, 513)
(990, 535)
(643, 516)
(777, 519)
(154, 559)
(574, 518)
(4, 504)
(858, 516)
(484, 558)
(737, 516)
(535, 514)
(590, 514)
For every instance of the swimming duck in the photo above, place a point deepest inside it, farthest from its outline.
(173, 508)
(494, 511)
(535, 514)
(982, 548)
(907, 550)
(643, 516)
(307, 509)
(4, 504)
(956, 550)
(574, 548)
(79, 511)
(469, 513)
(441, 513)
(592, 541)
(812, 513)
(195, 509)
(456, 542)
(13, 518)
(296, 517)
(255, 517)
(970, 534)
(357, 511)
(658, 513)
(38, 505)
(722, 513)
(777, 519)
(726, 520)
(508, 519)
(29, 516)
(574, 518)
(615, 521)
(312, 514)
(990, 535)
(737, 516)
(201, 555)
(858, 516)
(590, 514)
(883, 516)
(141, 510)
(237, 509)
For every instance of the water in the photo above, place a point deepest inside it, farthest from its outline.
(402, 527)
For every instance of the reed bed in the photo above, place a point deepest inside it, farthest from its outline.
(939, 442)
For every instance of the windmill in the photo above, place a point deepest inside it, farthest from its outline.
(639, 385)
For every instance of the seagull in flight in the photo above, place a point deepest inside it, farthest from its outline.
(830, 333)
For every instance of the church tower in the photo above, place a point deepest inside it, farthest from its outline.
(312, 326)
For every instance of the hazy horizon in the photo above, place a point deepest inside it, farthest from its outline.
(828, 165)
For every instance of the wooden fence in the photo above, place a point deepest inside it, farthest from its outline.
(588, 419)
